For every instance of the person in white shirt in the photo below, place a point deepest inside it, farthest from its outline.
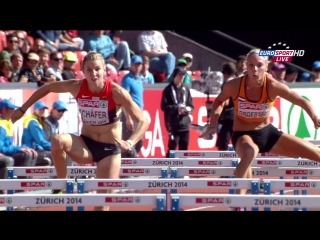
(55, 66)
(146, 76)
(152, 44)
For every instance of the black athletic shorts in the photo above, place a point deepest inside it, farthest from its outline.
(265, 138)
(100, 150)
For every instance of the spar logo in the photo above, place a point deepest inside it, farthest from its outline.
(284, 54)
(299, 123)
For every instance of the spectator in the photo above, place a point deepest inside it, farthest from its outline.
(38, 44)
(6, 72)
(4, 55)
(177, 104)
(189, 58)
(115, 57)
(305, 77)
(291, 75)
(5, 163)
(152, 44)
(316, 71)
(51, 38)
(146, 76)
(51, 126)
(31, 73)
(70, 60)
(12, 44)
(16, 62)
(25, 49)
(55, 66)
(33, 134)
(76, 44)
(183, 63)
(44, 54)
(21, 38)
(52, 41)
(280, 71)
(132, 82)
(23, 157)
(241, 65)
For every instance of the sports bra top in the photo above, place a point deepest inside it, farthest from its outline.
(97, 109)
(250, 111)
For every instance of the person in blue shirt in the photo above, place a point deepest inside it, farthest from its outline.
(22, 156)
(132, 82)
(116, 57)
(33, 134)
(5, 163)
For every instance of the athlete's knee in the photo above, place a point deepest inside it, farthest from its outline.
(58, 142)
(249, 152)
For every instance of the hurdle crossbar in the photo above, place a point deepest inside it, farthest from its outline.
(257, 172)
(293, 184)
(33, 184)
(254, 201)
(85, 171)
(47, 200)
(214, 154)
(103, 184)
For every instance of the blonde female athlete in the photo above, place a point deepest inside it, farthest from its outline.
(253, 96)
(99, 101)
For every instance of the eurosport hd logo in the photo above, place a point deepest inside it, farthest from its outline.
(283, 54)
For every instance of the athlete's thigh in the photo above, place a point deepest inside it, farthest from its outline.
(109, 167)
(76, 149)
(292, 146)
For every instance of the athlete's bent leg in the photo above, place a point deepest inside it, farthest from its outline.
(71, 145)
(108, 168)
(292, 146)
(247, 151)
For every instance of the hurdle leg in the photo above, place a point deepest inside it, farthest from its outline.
(81, 189)
(296, 192)
(255, 186)
(161, 204)
(10, 176)
(175, 204)
(69, 190)
(267, 191)
(304, 192)
(233, 191)
(164, 174)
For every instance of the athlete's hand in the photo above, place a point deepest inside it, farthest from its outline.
(16, 115)
(210, 130)
(124, 145)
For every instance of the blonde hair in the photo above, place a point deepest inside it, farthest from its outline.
(92, 56)
(256, 51)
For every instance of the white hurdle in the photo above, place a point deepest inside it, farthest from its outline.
(48, 200)
(105, 184)
(253, 201)
(36, 184)
(301, 184)
(80, 171)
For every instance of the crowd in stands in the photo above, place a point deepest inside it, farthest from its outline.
(43, 56)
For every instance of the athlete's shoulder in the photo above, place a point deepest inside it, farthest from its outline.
(232, 83)
(272, 82)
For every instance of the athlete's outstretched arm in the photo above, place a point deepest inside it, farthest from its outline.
(55, 87)
(217, 107)
(286, 93)
(220, 101)
(122, 97)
